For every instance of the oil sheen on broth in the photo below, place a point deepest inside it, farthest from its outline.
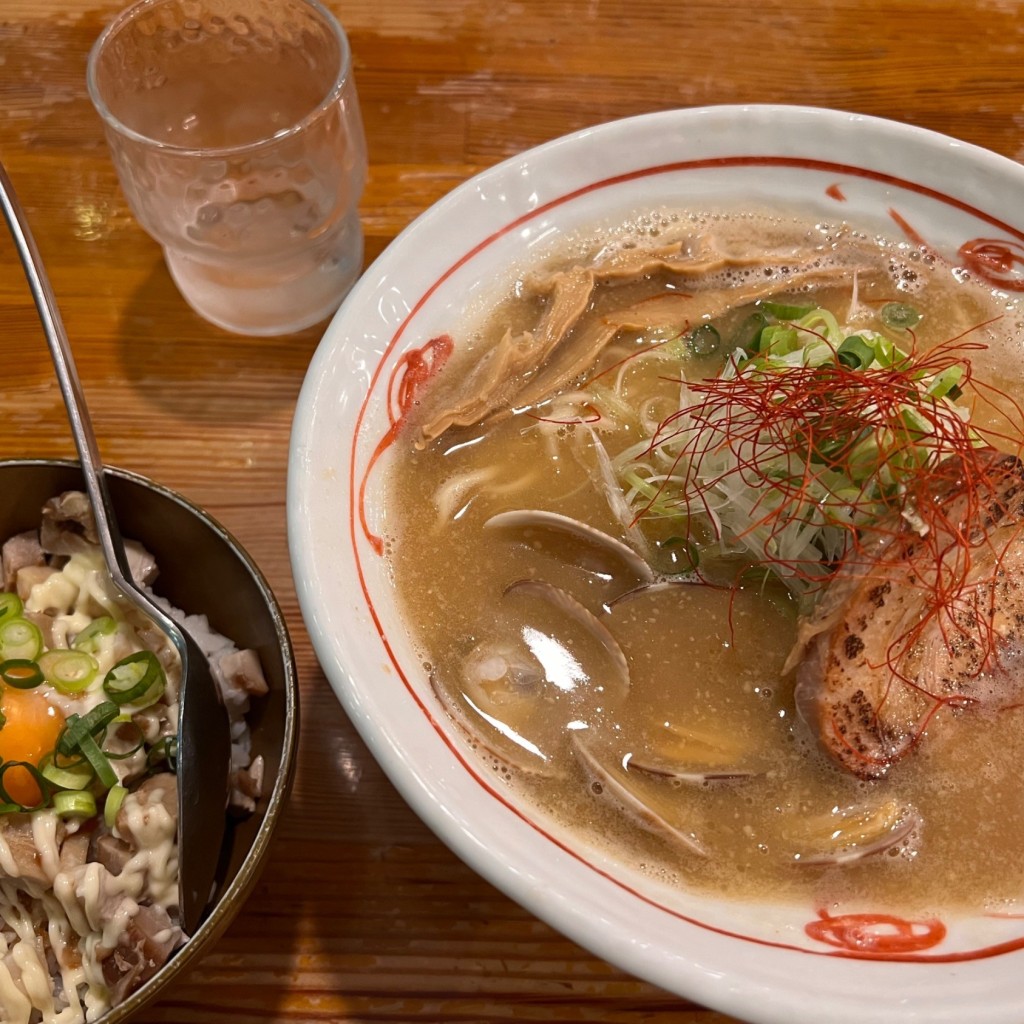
(706, 775)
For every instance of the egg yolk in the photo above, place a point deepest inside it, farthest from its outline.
(31, 729)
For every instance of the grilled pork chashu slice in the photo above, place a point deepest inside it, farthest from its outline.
(919, 626)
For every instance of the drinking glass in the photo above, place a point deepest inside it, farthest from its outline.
(236, 133)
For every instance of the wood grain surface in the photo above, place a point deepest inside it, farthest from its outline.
(362, 915)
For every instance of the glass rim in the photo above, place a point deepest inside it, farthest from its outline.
(115, 123)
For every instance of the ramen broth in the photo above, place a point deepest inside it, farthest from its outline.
(757, 813)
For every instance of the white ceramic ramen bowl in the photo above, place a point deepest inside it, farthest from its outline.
(760, 962)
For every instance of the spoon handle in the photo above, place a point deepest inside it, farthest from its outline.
(204, 743)
(107, 530)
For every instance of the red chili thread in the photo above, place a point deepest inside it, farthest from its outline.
(835, 192)
(800, 411)
(409, 377)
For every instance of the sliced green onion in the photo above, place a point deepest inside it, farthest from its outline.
(778, 339)
(704, 340)
(855, 353)
(113, 804)
(77, 727)
(19, 638)
(91, 637)
(785, 311)
(136, 679)
(138, 739)
(165, 749)
(9, 809)
(944, 383)
(10, 606)
(98, 760)
(749, 334)
(76, 776)
(899, 315)
(21, 673)
(69, 803)
(69, 671)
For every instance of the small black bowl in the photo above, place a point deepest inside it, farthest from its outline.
(203, 570)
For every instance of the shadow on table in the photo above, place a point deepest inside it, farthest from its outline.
(200, 373)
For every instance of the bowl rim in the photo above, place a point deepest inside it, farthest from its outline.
(239, 888)
(392, 758)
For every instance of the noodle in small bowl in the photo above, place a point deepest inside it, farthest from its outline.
(456, 515)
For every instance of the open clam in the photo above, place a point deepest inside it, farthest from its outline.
(847, 834)
(575, 541)
(692, 755)
(653, 804)
(534, 678)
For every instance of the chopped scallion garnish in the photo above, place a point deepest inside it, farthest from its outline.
(21, 673)
(704, 340)
(75, 777)
(69, 671)
(137, 679)
(19, 638)
(77, 727)
(10, 606)
(786, 311)
(899, 315)
(70, 803)
(91, 637)
(100, 765)
(113, 804)
(855, 353)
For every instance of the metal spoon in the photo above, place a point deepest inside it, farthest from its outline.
(204, 743)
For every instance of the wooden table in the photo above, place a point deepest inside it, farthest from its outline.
(362, 915)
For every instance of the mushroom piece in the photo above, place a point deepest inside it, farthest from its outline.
(154, 804)
(30, 576)
(19, 856)
(74, 851)
(112, 853)
(246, 787)
(242, 671)
(141, 563)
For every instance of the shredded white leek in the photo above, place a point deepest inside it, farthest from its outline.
(697, 467)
